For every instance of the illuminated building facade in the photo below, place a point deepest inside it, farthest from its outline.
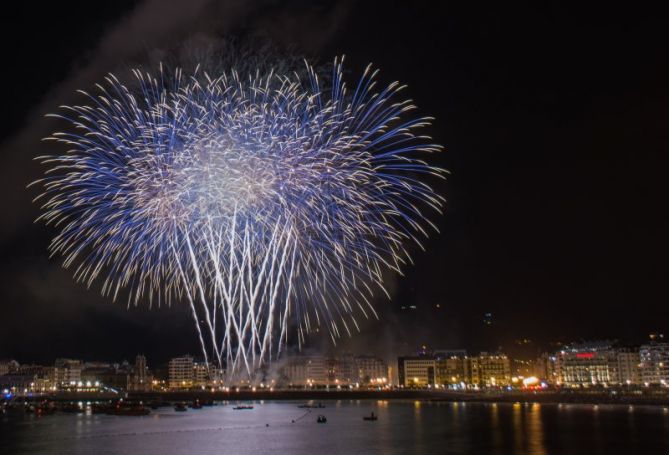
(68, 371)
(140, 379)
(489, 370)
(370, 369)
(8, 366)
(200, 374)
(417, 371)
(181, 372)
(306, 371)
(629, 367)
(452, 367)
(654, 359)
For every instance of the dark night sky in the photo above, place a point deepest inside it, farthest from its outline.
(554, 119)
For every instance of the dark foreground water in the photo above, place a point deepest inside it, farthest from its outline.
(402, 427)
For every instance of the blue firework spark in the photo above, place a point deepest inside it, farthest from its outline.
(259, 199)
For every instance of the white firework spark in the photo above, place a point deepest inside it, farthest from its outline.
(260, 200)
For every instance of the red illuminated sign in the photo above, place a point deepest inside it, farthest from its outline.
(585, 355)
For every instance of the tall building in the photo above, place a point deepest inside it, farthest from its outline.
(654, 359)
(181, 372)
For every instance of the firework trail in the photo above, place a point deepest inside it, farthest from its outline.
(265, 201)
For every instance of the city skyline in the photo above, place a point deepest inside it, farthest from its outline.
(600, 364)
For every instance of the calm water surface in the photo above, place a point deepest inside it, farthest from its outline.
(403, 427)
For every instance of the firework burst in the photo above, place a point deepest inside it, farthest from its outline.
(264, 201)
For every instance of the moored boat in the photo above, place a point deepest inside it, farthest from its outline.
(196, 405)
(371, 417)
(311, 406)
(242, 407)
(180, 407)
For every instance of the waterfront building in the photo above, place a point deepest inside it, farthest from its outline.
(68, 372)
(629, 366)
(44, 377)
(545, 367)
(333, 369)
(588, 364)
(29, 379)
(417, 371)
(316, 370)
(140, 379)
(294, 371)
(601, 363)
(307, 370)
(216, 376)
(654, 363)
(449, 353)
(200, 374)
(371, 370)
(489, 370)
(8, 366)
(452, 367)
(181, 372)
(18, 384)
(106, 375)
(344, 370)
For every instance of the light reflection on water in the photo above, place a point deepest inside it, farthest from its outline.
(403, 427)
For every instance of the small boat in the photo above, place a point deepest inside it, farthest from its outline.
(98, 408)
(180, 407)
(138, 410)
(71, 408)
(321, 419)
(159, 404)
(371, 417)
(196, 405)
(311, 406)
(242, 407)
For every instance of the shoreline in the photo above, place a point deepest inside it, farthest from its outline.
(542, 397)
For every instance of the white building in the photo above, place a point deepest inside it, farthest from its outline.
(598, 363)
(654, 359)
(68, 371)
(417, 371)
(181, 372)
